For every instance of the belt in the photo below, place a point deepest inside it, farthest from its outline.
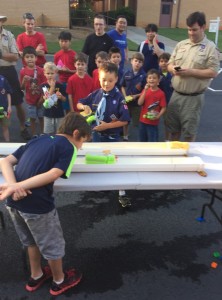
(107, 134)
(191, 94)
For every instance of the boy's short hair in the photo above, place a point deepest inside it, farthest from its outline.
(113, 50)
(138, 55)
(50, 66)
(82, 57)
(102, 55)
(151, 27)
(165, 56)
(74, 121)
(29, 50)
(109, 68)
(65, 35)
(153, 71)
(28, 16)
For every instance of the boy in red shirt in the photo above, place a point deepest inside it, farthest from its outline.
(31, 78)
(80, 84)
(153, 102)
(101, 58)
(64, 59)
(33, 38)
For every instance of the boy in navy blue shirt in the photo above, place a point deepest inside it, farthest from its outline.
(108, 105)
(165, 84)
(115, 58)
(110, 110)
(132, 84)
(151, 48)
(38, 164)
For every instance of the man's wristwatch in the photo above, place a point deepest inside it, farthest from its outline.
(0, 54)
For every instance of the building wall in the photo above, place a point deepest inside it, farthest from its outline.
(148, 11)
(212, 10)
(47, 13)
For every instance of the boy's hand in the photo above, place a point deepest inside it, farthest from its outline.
(39, 47)
(155, 38)
(146, 86)
(65, 69)
(26, 78)
(60, 96)
(87, 110)
(52, 83)
(9, 109)
(13, 190)
(20, 194)
(102, 126)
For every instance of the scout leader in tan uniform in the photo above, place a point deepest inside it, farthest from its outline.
(193, 63)
(8, 59)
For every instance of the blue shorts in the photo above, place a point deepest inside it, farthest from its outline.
(34, 112)
(148, 133)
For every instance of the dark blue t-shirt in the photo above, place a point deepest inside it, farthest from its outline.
(57, 110)
(150, 59)
(133, 83)
(36, 157)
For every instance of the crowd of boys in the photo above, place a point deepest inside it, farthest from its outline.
(56, 94)
(67, 80)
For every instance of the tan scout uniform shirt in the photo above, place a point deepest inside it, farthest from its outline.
(187, 55)
(7, 44)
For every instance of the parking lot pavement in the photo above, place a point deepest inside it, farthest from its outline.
(155, 250)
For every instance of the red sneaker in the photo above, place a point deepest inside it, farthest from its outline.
(72, 278)
(33, 284)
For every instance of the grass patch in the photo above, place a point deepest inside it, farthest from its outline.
(76, 45)
(132, 46)
(179, 34)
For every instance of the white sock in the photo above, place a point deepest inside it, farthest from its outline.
(36, 278)
(122, 193)
(58, 282)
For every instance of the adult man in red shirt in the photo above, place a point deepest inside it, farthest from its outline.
(32, 38)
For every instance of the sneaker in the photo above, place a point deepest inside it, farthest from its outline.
(33, 284)
(124, 201)
(72, 278)
(25, 134)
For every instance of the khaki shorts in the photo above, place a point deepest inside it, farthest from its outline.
(183, 114)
